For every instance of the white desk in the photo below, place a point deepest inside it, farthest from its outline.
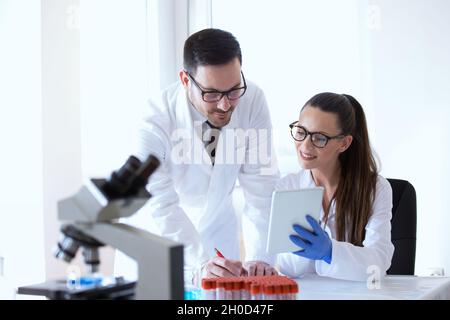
(314, 287)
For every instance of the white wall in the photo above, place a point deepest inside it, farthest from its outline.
(21, 193)
(114, 82)
(129, 51)
(61, 143)
(411, 99)
(294, 49)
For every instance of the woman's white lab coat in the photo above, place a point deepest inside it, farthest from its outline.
(349, 262)
(192, 200)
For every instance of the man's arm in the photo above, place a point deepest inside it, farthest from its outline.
(172, 221)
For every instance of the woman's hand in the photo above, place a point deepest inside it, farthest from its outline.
(316, 245)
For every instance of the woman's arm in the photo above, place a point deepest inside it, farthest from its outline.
(351, 262)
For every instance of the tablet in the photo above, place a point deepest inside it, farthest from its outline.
(288, 208)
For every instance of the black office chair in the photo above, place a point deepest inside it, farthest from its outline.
(404, 223)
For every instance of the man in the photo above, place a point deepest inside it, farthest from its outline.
(209, 132)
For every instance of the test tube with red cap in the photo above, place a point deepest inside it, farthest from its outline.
(294, 291)
(229, 287)
(269, 292)
(285, 292)
(245, 291)
(278, 288)
(254, 288)
(256, 291)
(209, 287)
(220, 289)
(237, 284)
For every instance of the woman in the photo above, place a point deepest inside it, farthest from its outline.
(333, 149)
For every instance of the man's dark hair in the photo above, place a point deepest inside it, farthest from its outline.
(210, 47)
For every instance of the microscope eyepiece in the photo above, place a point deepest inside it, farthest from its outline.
(142, 174)
(126, 172)
(148, 167)
(130, 178)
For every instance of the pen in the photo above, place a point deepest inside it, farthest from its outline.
(219, 254)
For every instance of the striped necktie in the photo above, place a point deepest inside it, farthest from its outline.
(210, 139)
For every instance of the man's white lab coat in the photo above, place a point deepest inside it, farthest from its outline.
(349, 262)
(192, 199)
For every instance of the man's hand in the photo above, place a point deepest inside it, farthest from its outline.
(221, 267)
(259, 268)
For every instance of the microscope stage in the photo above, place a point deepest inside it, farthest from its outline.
(59, 290)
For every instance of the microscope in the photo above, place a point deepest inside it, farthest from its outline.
(92, 217)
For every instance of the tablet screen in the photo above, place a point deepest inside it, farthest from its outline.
(288, 208)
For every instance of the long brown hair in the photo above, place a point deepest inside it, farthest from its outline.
(356, 189)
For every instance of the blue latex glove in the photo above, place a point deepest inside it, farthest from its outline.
(316, 245)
